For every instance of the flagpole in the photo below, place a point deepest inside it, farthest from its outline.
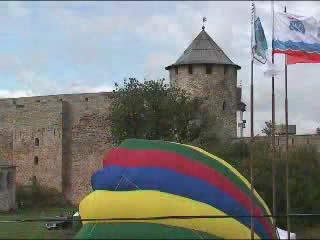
(251, 157)
(251, 129)
(287, 144)
(273, 136)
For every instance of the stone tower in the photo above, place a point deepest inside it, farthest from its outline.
(204, 70)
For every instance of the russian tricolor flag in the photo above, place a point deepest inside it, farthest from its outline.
(298, 37)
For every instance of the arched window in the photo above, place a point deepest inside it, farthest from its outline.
(36, 142)
(36, 160)
(86, 99)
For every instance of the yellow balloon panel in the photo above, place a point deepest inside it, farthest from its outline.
(147, 203)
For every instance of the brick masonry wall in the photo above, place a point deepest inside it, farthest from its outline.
(74, 135)
(7, 188)
(6, 142)
(218, 87)
(87, 139)
(43, 161)
(28, 120)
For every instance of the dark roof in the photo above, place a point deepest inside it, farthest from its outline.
(203, 50)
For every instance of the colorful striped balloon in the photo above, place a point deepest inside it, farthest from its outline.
(130, 178)
(102, 204)
(125, 230)
(179, 172)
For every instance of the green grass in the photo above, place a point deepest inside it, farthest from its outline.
(307, 232)
(34, 230)
(37, 230)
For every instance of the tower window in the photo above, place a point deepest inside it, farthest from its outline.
(36, 160)
(223, 105)
(208, 69)
(190, 69)
(36, 142)
(176, 70)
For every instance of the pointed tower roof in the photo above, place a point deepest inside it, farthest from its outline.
(203, 50)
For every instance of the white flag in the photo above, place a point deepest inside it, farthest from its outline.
(271, 69)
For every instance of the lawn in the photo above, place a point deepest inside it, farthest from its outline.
(307, 232)
(37, 230)
(34, 230)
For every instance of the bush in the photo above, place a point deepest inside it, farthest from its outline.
(37, 196)
(304, 176)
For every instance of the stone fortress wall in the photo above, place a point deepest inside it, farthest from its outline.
(56, 140)
(294, 140)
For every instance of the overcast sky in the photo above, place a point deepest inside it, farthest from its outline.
(73, 47)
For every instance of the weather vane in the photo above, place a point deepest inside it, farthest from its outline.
(204, 19)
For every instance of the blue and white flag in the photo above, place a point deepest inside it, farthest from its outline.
(259, 44)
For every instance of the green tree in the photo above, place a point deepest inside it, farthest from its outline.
(267, 130)
(152, 110)
(127, 110)
(303, 178)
